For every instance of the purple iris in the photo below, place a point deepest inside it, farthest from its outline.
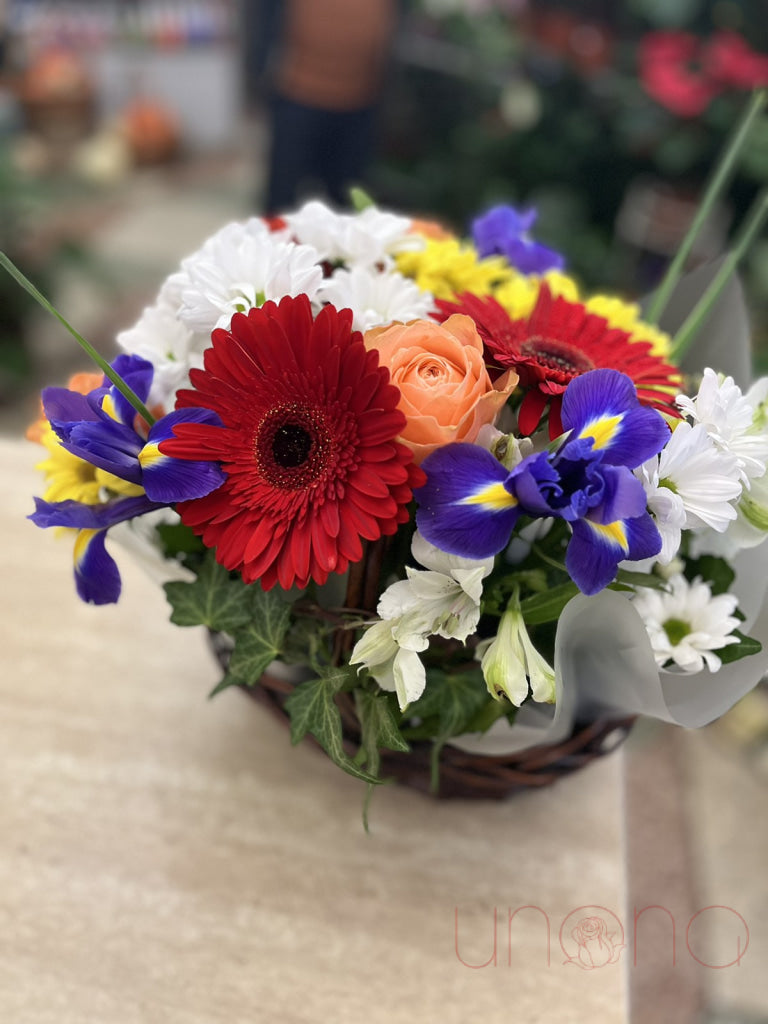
(100, 428)
(504, 231)
(470, 503)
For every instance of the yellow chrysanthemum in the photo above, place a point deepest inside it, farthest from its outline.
(626, 316)
(519, 292)
(448, 267)
(71, 478)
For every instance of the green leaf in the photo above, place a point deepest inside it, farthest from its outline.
(213, 600)
(379, 730)
(491, 712)
(641, 579)
(747, 645)
(453, 700)
(359, 199)
(261, 640)
(713, 570)
(547, 607)
(379, 727)
(226, 682)
(178, 539)
(313, 710)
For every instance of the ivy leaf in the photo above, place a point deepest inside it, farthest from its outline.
(547, 607)
(213, 600)
(261, 640)
(379, 727)
(747, 645)
(313, 709)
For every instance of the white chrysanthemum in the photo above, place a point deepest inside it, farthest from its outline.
(240, 267)
(376, 298)
(366, 239)
(160, 337)
(687, 624)
(690, 485)
(442, 600)
(728, 416)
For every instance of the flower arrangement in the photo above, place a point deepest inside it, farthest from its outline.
(426, 482)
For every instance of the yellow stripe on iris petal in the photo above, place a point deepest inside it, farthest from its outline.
(108, 406)
(602, 430)
(82, 540)
(494, 497)
(614, 533)
(150, 455)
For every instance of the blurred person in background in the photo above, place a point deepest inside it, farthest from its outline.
(325, 65)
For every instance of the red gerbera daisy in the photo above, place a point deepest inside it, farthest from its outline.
(309, 421)
(557, 342)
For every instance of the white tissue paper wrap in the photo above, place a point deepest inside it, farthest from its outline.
(604, 664)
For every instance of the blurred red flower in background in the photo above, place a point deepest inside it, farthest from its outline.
(685, 73)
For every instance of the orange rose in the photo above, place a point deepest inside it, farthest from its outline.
(445, 391)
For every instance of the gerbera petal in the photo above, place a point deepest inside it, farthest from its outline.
(294, 443)
(530, 411)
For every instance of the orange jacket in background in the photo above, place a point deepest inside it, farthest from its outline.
(335, 51)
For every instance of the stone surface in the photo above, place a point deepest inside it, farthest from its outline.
(166, 859)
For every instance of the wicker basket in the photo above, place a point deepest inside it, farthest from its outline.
(473, 776)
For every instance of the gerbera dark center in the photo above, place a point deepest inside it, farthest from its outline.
(291, 445)
(557, 355)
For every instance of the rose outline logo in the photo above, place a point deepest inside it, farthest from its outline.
(592, 943)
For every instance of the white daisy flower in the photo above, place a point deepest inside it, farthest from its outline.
(728, 417)
(376, 299)
(686, 625)
(690, 485)
(366, 239)
(160, 337)
(240, 267)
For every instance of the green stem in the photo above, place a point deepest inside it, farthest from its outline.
(103, 365)
(714, 189)
(752, 224)
(549, 561)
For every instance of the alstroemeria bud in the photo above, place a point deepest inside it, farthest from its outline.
(511, 663)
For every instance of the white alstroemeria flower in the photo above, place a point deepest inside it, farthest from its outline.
(442, 600)
(395, 667)
(686, 625)
(240, 267)
(160, 337)
(376, 298)
(728, 416)
(369, 238)
(690, 485)
(510, 663)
